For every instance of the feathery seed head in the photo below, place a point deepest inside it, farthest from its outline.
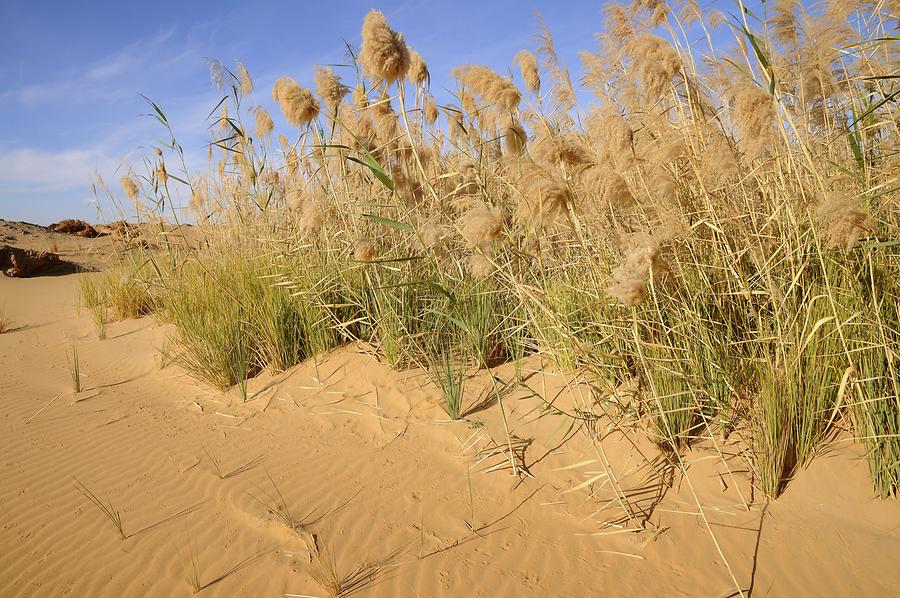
(244, 79)
(312, 216)
(753, 110)
(497, 90)
(566, 147)
(613, 135)
(364, 250)
(383, 55)
(545, 198)
(514, 137)
(528, 66)
(430, 110)
(162, 177)
(434, 237)
(264, 124)
(656, 63)
(480, 266)
(329, 87)
(608, 186)
(630, 280)
(130, 188)
(298, 104)
(360, 97)
(418, 70)
(481, 225)
(845, 221)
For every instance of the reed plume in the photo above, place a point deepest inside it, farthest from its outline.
(264, 124)
(384, 55)
(845, 221)
(613, 135)
(364, 250)
(130, 188)
(430, 110)
(514, 137)
(418, 70)
(630, 280)
(244, 79)
(544, 198)
(753, 111)
(434, 236)
(529, 68)
(329, 88)
(494, 89)
(656, 64)
(360, 97)
(481, 225)
(298, 104)
(479, 266)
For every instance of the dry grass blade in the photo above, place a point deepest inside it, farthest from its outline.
(106, 508)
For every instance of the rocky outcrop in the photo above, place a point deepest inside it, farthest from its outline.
(20, 263)
(79, 228)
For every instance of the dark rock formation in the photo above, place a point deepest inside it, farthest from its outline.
(79, 228)
(20, 263)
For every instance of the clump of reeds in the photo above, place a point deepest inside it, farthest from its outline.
(717, 230)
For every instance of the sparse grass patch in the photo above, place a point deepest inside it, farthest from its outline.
(5, 323)
(449, 374)
(107, 508)
(74, 368)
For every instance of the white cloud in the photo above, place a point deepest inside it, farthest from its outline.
(108, 80)
(34, 171)
(129, 58)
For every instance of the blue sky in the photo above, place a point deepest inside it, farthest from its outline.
(72, 73)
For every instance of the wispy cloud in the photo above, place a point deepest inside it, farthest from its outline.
(108, 80)
(33, 171)
(129, 58)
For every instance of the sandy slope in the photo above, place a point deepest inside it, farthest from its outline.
(365, 461)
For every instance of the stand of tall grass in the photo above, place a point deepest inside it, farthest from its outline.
(720, 225)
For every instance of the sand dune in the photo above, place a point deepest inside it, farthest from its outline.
(346, 456)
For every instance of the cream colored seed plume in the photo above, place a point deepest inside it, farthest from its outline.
(493, 88)
(130, 188)
(364, 250)
(430, 110)
(418, 70)
(264, 124)
(244, 79)
(529, 69)
(329, 87)
(481, 225)
(656, 63)
(298, 104)
(383, 55)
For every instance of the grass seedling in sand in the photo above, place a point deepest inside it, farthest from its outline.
(106, 508)
(450, 376)
(224, 475)
(100, 318)
(471, 522)
(165, 353)
(276, 506)
(194, 572)
(95, 295)
(5, 324)
(325, 572)
(75, 369)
